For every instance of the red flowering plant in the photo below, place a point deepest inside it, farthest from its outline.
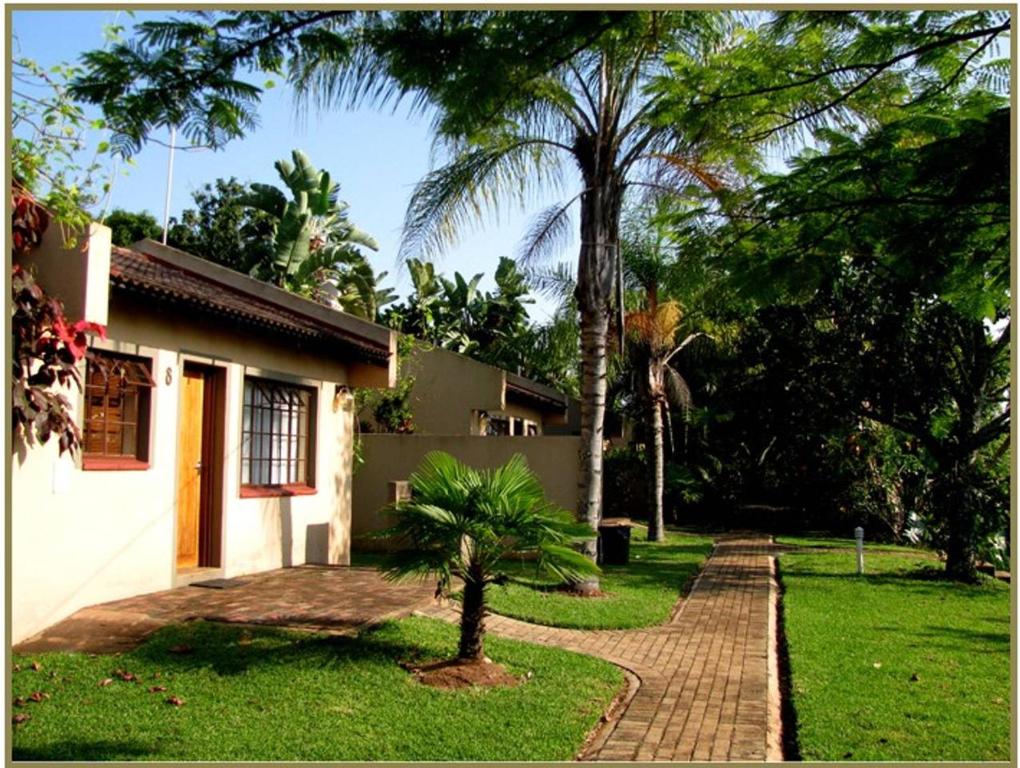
(46, 350)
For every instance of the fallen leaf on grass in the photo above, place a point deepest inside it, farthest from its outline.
(18, 702)
(38, 696)
(177, 702)
(877, 665)
(157, 689)
(17, 667)
(127, 677)
(36, 666)
(105, 682)
(21, 717)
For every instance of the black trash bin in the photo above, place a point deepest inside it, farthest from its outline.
(614, 542)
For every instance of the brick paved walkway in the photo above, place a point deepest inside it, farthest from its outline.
(339, 600)
(704, 692)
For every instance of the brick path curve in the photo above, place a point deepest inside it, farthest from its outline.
(707, 689)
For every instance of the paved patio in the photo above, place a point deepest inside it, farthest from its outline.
(707, 686)
(338, 599)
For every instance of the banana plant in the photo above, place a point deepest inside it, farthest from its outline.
(353, 286)
(312, 231)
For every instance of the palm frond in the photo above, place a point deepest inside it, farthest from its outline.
(555, 282)
(475, 182)
(548, 233)
(678, 391)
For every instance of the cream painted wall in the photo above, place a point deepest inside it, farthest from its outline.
(85, 537)
(79, 538)
(448, 388)
(265, 533)
(78, 275)
(391, 458)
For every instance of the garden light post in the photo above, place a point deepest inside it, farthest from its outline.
(859, 535)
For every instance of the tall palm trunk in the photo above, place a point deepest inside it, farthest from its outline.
(656, 529)
(472, 619)
(600, 233)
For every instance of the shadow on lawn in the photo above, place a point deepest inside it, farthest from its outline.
(958, 635)
(99, 749)
(929, 577)
(233, 650)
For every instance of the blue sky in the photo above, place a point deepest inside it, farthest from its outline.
(376, 155)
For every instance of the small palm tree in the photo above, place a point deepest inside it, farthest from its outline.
(463, 523)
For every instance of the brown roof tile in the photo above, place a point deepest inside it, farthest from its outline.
(144, 273)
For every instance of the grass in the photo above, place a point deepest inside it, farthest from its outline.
(639, 594)
(895, 664)
(270, 694)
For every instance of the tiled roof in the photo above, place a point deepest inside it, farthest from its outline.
(149, 275)
(528, 389)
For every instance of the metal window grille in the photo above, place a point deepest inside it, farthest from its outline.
(275, 434)
(116, 405)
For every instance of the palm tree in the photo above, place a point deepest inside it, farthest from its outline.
(463, 523)
(655, 265)
(589, 113)
(658, 385)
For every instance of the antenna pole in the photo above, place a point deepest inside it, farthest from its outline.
(169, 181)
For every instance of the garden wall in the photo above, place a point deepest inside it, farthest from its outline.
(389, 458)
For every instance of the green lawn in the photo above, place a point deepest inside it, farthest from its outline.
(640, 594)
(895, 665)
(273, 695)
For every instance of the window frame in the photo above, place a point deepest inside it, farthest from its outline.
(142, 423)
(301, 488)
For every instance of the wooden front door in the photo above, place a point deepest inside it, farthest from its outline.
(200, 466)
(189, 467)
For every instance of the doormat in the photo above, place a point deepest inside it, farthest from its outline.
(219, 583)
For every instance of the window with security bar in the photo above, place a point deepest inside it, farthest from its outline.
(277, 445)
(117, 405)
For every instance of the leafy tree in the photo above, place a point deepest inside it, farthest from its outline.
(48, 142)
(800, 71)
(128, 228)
(50, 185)
(463, 523)
(492, 327)
(222, 229)
(909, 228)
(419, 316)
(587, 113)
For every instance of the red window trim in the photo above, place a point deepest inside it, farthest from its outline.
(268, 491)
(108, 463)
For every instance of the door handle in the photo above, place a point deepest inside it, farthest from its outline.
(198, 466)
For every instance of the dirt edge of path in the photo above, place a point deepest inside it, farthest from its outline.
(599, 735)
(789, 744)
